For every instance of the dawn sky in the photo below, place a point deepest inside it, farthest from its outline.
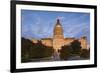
(40, 24)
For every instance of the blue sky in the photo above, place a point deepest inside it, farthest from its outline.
(40, 24)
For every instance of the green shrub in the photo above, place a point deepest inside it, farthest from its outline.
(30, 50)
(65, 52)
(25, 49)
(76, 47)
(85, 53)
(71, 50)
(40, 51)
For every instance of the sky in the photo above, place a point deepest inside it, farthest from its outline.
(40, 24)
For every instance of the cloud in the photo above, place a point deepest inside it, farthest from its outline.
(61, 17)
(74, 30)
(40, 24)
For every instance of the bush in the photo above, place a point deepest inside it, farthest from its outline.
(40, 51)
(85, 53)
(30, 50)
(76, 47)
(25, 49)
(65, 52)
(71, 50)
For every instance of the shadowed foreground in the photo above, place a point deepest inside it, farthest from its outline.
(37, 52)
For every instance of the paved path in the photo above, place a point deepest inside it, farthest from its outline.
(56, 56)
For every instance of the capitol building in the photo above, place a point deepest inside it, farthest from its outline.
(58, 40)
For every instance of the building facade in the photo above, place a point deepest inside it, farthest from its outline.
(58, 40)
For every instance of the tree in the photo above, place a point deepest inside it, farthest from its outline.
(30, 50)
(85, 53)
(76, 47)
(40, 51)
(65, 52)
(25, 49)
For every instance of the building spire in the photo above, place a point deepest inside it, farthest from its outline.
(58, 24)
(58, 21)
